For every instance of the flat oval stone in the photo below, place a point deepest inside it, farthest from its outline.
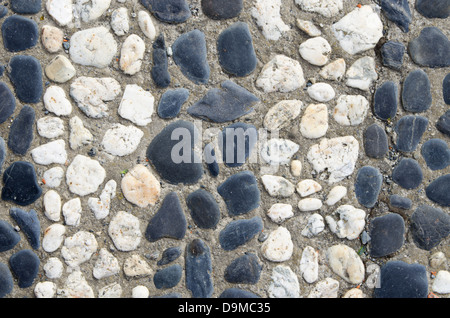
(169, 221)
(429, 226)
(235, 49)
(443, 123)
(431, 48)
(399, 202)
(368, 186)
(239, 232)
(21, 131)
(20, 184)
(385, 101)
(8, 236)
(29, 223)
(387, 234)
(6, 280)
(392, 53)
(240, 193)
(433, 8)
(446, 89)
(219, 10)
(171, 101)
(375, 142)
(189, 53)
(416, 93)
(402, 280)
(7, 102)
(409, 131)
(168, 277)
(237, 143)
(26, 77)
(160, 73)
(437, 191)
(436, 153)
(397, 11)
(237, 293)
(407, 174)
(243, 270)
(170, 11)
(19, 33)
(169, 255)
(26, 6)
(198, 269)
(164, 153)
(25, 266)
(204, 209)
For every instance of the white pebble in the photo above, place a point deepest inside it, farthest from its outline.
(72, 212)
(140, 292)
(45, 290)
(53, 268)
(136, 266)
(122, 140)
(88, 11)
(308, 187)
(79, 135)
(278, 151)
(60, 11)
(52, 205)
(281, 74)
(131, 54)
(268, 18)
(296, 168)
(137, 105)
(146, 24)
(279, 212)
(79, 248)
(75, 286)
(441, 283)
(314, 226)
(334, 71)
(84, 175)
(316, 51)
(327, 288)
(113, 290)
(279, 246)
(278, 186)
(60, 70)
(124, 230)
(52, 38)
(361, 73)
(345, 262)
(314, 123)
(335, 195)
(53, 237)
(284, 283)
(309, 264)
(120, 22)
(282, 114)
(351, 110)
(50, 127)
(321, 92)
(52, 152)
(309, 204)
(308, 27)
(327, 8)
(106, 265)
(55, 101)
(350, 224)
(100, 206)
(53, 177)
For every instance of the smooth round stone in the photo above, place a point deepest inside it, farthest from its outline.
(219, 10)
(446, 89)
(385, 101)
(443, 123)
(204, 209)
(387, 234)
(437, 191)
(19, 33)
(20, 184)
(416, 93)
(237, 143)
(169, 255)
(7, 102)
(239, 232)
(431, 48)
(21, 131)
(243, 270)
(26, 6)
(392, 53)
(436, 153)
(399, 202)
(429, 226)
(240, 193)
(171, 101)
(235, 49)
(198, 269)
(26, 77)
(409, 131)
(170, 11)
(397, 11)
(3, 11)
(407, 174)
(368, 186)
(375, 142)
(402, 280)
(168, 277)
(433, 8)
(6, 280)
(25, 266)
(29, 223)
(8, 236)
(237, 293)
(160, 73)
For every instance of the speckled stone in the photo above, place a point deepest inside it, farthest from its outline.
(416, 92)
(7, 102)
(407, 174)
(429, 226)
(170, 11)
(368, 186)
(437, 191)
(237, 143)
(205, 211)
(219, 10)
(20, 184)
(8, 236)
(26, 76)
(409, 131)
(168, 277)
(19, 33)
(431, 48)
(243, 270)
(198, 269)
(6, 280)
(29, 223)
(387, 234)
(25, 267)
(436, 154)
(239, 232)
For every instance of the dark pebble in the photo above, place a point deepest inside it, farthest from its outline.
(211, 160)
(189, 53)
(26, 6)
(220, 10)
(429, 226)
(375, 142)
(20, 184)
(409, 131)
(205, 211)
(8, 236)
(171, 101)
(240, 193)
(226, 104)
(436, 154)
(21, 131)
(170, 11)
(385, 101)
(160, 73)
(443, 123)
(169, 295)
(169, 221)
(6, 280)
(29, 224)
(169, 255)
(244, 270)
(392, 53)
(237, 293)
(397, 11)
(387, 234)
(399, 202)
(185, 167)
(19, 33)
(168, 277)
(7, 102)
(3, 11)
(438, 190)
(26, 77)
(402, 280)
(446, 89)
(237, 143)
(235, 49)
(431, 48)
(416, 93)
(407, 174)
(433, 8)
(239, 232)
(3, 152)
(368, 186)
(25, 267)
(198, 269)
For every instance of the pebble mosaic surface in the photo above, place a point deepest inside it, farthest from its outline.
(341, 107)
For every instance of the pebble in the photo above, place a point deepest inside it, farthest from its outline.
(25, 74)
(124, 230)
(211, 160)
(159, 72)
(198, 269)
(3, 13)
(308, 27)
(296, 168)
(354, 293)
(441, 283)
(140, 292)
(50, 127)
(345, 262)
(399, 202)
(6, 280)
(136, 105)
(132, 54)
(3, 152)
(25, 267)
(416, 81)
(79, 248)
(55, 101)
(284, 283)
(443, 123)
(326, 288)
(336, 194)
(146, 25)
(314, 122)
(101, 206)
(205, 211)
(75, 286)
(169, 221)
(19, 33)
(226, 104)
(327, 8)
(9, 237)
(72, 212)
(376, 143)
(368, 186)
(170, 11)
(398, 12)
(60, 70)
(239, 232)
(350, 224)
(217, 10)
(430, 49)
(29, 223)
(281, 74)
(309, 264)
(168, 277)
(20, 184)
(321, 92)
(113, 290)
(53, 268)
(316, 51)
(407, 174)
(392, 53)
(235, 50)
(307, 187)
(279, 212)
(282, 114)
(437, 260)
(26, 6)
(409, 131)
(21, 131)
(169, 255)
(7, 102)
(433, 8)
(401, 280)
(446, 89)
(45, 290)
(361, 73)
(245, 269)
(277, 186)
(171, 102)
(122, 140)
(436, 191)
(79, 135)
(60, 11)
(52, 38)
(350, 110)
(189, 53)
(334, 71)
(52, 205)
(314, 226)
(135, 266)
(268, 18)
(51, 152)
(429, 226)
(53, 237)
(237, 293)
(237, 142)
(240, 193)
(120, 22)
(436, 154)
(387, 234)
(90, 12)
(53, 177)
(84, 175)
(176, 169)
(279, 246)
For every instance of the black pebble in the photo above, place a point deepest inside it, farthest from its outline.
(375, 142)
(433, 8)
(171, 101)
(6, 280)
(443, 123)
(399, 202)
(25, 266)
(198, 269)
(168, 277)
(21, 131)
(446, 89)
(409, 131)
(26, 6)
(387, 234)
(385, 101)
(407, 174)
(368, 186)
(220, 10)
(169, 255)
(239, 232)
(436, 154)
(429, 226)
(431, 48)
(3, 11)
(160, 73)
(29, 224)
(438, 190)
(244, 270)
(392, 54)
(397, 11)
(20, 184)
(19, 33)
(7, 102)
(170, 11)
(237, 143)
(205, 211)
(237, 293)
(8, 236)
(416, 93)
(3, 152)
(26, 77)
(211, 160)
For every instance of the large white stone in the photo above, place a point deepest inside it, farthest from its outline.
(350, 224)
(314, 122)
(55, 101)
(345, 262)
(53, 268)
(79, 248)
(321, 92)
(60, 11)
(50, 127)
(327, 8)
(361, 73)
(122, 140)
(309, 264)
(351, 110)
(284, 283)
(316, 51)
(84, 175)
(79, 135)
(278, 247)
(146, 24)
(45, 290)
(268, 18)
(131, 54)
(124, 230)
(278, 186)
(137, 105)
(53, 237)
(282, 114)
(278, 151)
(52, 152)
(281, 74)
(120, 22)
